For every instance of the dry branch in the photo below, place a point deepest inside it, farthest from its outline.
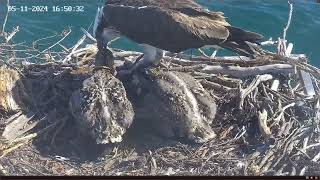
(253, 85)
(241, 72)
(266, 83)
(262, 119)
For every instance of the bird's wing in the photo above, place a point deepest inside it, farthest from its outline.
(206, 26)
(176, 4)
(186, 13)
(175, 24)
(169, 4)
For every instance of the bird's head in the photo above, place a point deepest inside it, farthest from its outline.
(102, 31)
(104, 59)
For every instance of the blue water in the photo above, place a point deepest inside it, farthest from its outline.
(267, 17)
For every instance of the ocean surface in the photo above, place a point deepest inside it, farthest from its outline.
(267, 17)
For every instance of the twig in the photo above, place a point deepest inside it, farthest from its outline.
(16, 144)
(153, 164)
(3, 172)
(188, 68)
(282, 43)
(262, 119)
(66, 35)
(79, 43)
(289, 20)
(88, 34)
(254, 84)
(49, 37)
(15, 30)
(13, 67)
(269, 42)
(33, 168)
(241, 72)
(285, 146)
(281, 113)
(240, 134)
(203, 53)
(64, 48)
(122, 54)
(81, 40)
(6, 17)
(316, 157)
(303, 170)
(217, 86)
(265, 159)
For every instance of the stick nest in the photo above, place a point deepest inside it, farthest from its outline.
(265, 124)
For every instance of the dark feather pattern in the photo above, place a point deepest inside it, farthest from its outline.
(2, 128)
(172, 25)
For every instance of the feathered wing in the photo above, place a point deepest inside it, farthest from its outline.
(237, 41)
(156, 3)
(167, 29)
(184, 13)
(175, 25)
(207, 29)
(212, 26)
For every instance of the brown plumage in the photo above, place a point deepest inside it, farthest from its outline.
(174, 25)
(104, 58)
(101, 108)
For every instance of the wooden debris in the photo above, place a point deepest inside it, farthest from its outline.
(307, 83)
(253, 85)
(241, 72)
(275, 85)
(16, 126)
(274, 102)
(12, 91)
(262, 119)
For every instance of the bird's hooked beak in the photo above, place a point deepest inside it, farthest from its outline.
(103, 35)
(97, 21)
(97, 30)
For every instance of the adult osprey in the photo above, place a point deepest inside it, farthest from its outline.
(171, 25)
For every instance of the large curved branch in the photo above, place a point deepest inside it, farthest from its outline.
(240, 72)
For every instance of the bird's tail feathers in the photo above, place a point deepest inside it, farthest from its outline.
(242, 48)
(239, 40)
(237, 34)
